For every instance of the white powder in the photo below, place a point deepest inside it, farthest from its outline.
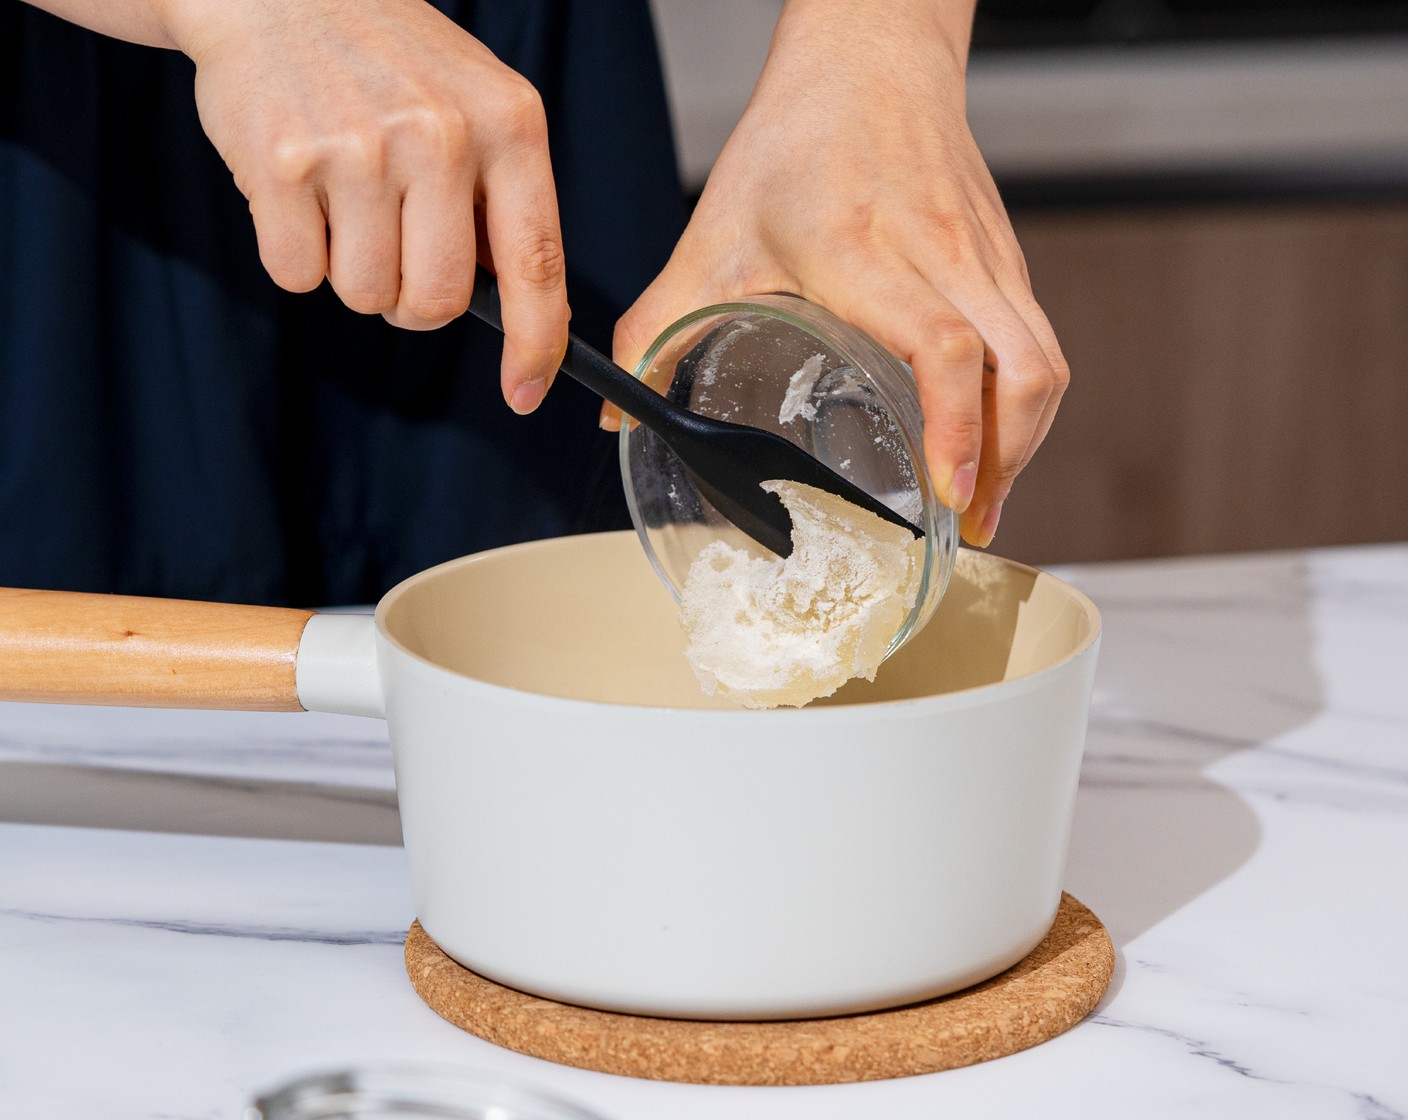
(709, 368)
(797, 400)
(770, 632)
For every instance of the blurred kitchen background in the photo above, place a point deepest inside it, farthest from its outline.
(1212, 196)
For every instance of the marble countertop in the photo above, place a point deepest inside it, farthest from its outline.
(198, 906)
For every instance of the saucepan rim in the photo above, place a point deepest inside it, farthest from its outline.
(867, 710)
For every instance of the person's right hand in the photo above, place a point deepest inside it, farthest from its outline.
(382, 146)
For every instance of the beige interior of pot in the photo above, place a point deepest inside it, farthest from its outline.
(586, 618)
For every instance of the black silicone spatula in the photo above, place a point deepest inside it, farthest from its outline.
(729, 462)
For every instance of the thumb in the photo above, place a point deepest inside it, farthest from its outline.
(672, 295)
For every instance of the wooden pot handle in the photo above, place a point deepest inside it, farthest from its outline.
(72, 648)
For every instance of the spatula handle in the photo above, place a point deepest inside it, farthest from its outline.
(74, 648)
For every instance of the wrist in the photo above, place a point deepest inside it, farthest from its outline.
(191, 26)
(940, 28)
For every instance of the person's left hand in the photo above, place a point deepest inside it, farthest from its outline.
(853, 180)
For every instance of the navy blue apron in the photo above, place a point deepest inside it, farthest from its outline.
(171, 423)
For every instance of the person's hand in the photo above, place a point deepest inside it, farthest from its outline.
(385, 148)
(853, 180)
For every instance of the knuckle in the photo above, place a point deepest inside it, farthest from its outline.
(442, 128)
(1026, 394)
(1033, 382)
(370, 155)
(1011, 271)
(950, 239)
(361, 152)
(538, 260)
(952, 340)
(1007, 472)
(434, 306)
(947, 231)
(296, 159)
(960, 431)
(521, 114)
(368, 300)
(1002, 471)
(852, 226)
(291, 161)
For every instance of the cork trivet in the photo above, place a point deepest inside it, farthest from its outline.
(1045, 993)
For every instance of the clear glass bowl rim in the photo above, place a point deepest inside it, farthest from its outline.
(437, 1090)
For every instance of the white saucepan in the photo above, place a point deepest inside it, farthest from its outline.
(582, 824)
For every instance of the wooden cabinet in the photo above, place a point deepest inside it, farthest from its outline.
(1239, 380)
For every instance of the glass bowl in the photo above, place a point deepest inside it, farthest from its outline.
(786, 365)
(411, 1092)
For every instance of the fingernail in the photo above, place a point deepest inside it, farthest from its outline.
(528, 396)
(610, 422)
(989, 529)
(961, 486)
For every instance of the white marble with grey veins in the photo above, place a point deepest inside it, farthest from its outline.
(196, 906)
